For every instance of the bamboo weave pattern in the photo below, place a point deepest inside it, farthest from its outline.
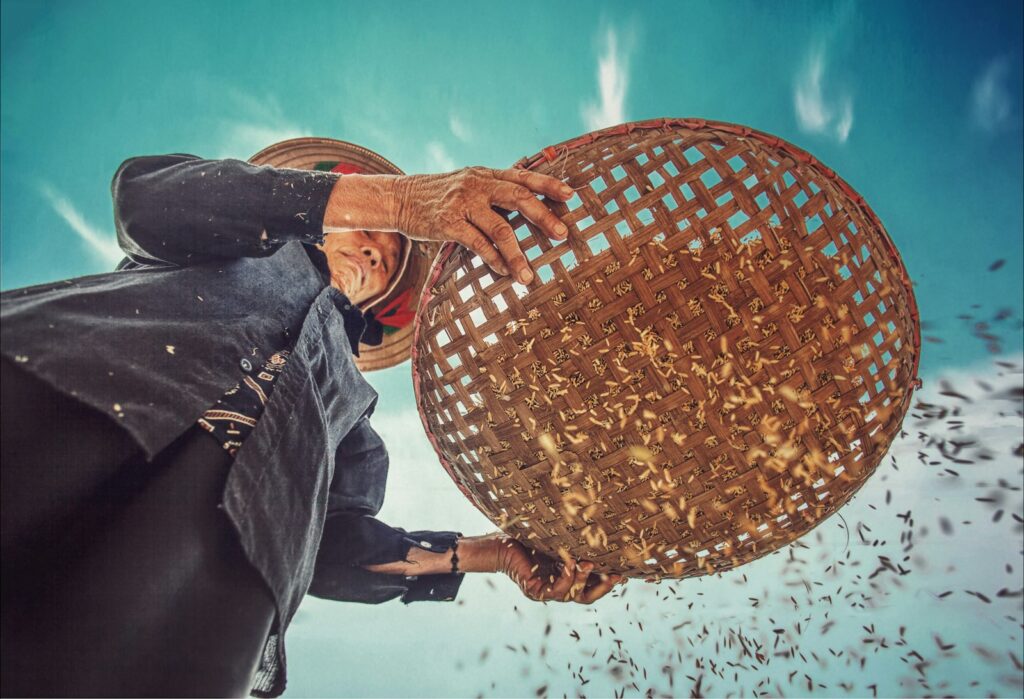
(713, 363)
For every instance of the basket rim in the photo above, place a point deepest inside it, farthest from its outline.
(425, 296)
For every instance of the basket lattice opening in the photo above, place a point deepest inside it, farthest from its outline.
(710, 365)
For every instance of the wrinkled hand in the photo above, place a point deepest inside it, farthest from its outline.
(575, 583)
(457, 206)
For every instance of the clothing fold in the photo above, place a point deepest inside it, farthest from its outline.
(220, 275)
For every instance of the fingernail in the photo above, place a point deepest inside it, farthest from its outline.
(525, 276)
(562, 230)
(567, 191)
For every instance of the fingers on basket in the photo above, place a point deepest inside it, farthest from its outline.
(513, 196)
(469, 235)
(497, 231)
(562, 586)
(579, 582)
(515, 191)
(541, 184)
(599, 587)
(576, 583)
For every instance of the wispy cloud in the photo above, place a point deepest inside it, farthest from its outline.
(379, 131)
(438, 158)
(991, 102)
(814, 112)
(257, 122)
(459, 128)
(243, 140)
(612, 83)
(100, 244)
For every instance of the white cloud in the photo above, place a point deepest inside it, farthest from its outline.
(100, 244)
(815, 113)
(613, 84)
(845, 121)
(258, 121)
(438, 158)
(459, 128)
(243, 140)
(991, 102)
(379, 131)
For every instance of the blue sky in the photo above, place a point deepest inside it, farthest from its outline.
(917, 105)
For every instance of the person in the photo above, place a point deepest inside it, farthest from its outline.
(186, 443)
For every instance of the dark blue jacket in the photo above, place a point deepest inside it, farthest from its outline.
(217, 279)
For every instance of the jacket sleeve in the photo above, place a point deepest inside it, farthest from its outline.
(179, 209)
(353, 537)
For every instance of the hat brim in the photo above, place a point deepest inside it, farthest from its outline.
(306, 154)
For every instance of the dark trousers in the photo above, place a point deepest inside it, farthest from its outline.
(120, 576)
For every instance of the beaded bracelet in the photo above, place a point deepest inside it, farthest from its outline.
(455, 557)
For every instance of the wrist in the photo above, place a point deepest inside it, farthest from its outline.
(479, 554)
(398, 203)
(362, 202)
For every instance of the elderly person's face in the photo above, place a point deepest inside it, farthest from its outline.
(362, 263)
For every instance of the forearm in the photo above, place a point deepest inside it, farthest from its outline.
(183, 210)
(362, 202)
(355, 546)
(477, 554)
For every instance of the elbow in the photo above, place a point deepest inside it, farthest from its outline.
(139, 191)
(134, 170)
(124, 187)
(128, 194)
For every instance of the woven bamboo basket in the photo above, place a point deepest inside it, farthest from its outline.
(713, 362)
